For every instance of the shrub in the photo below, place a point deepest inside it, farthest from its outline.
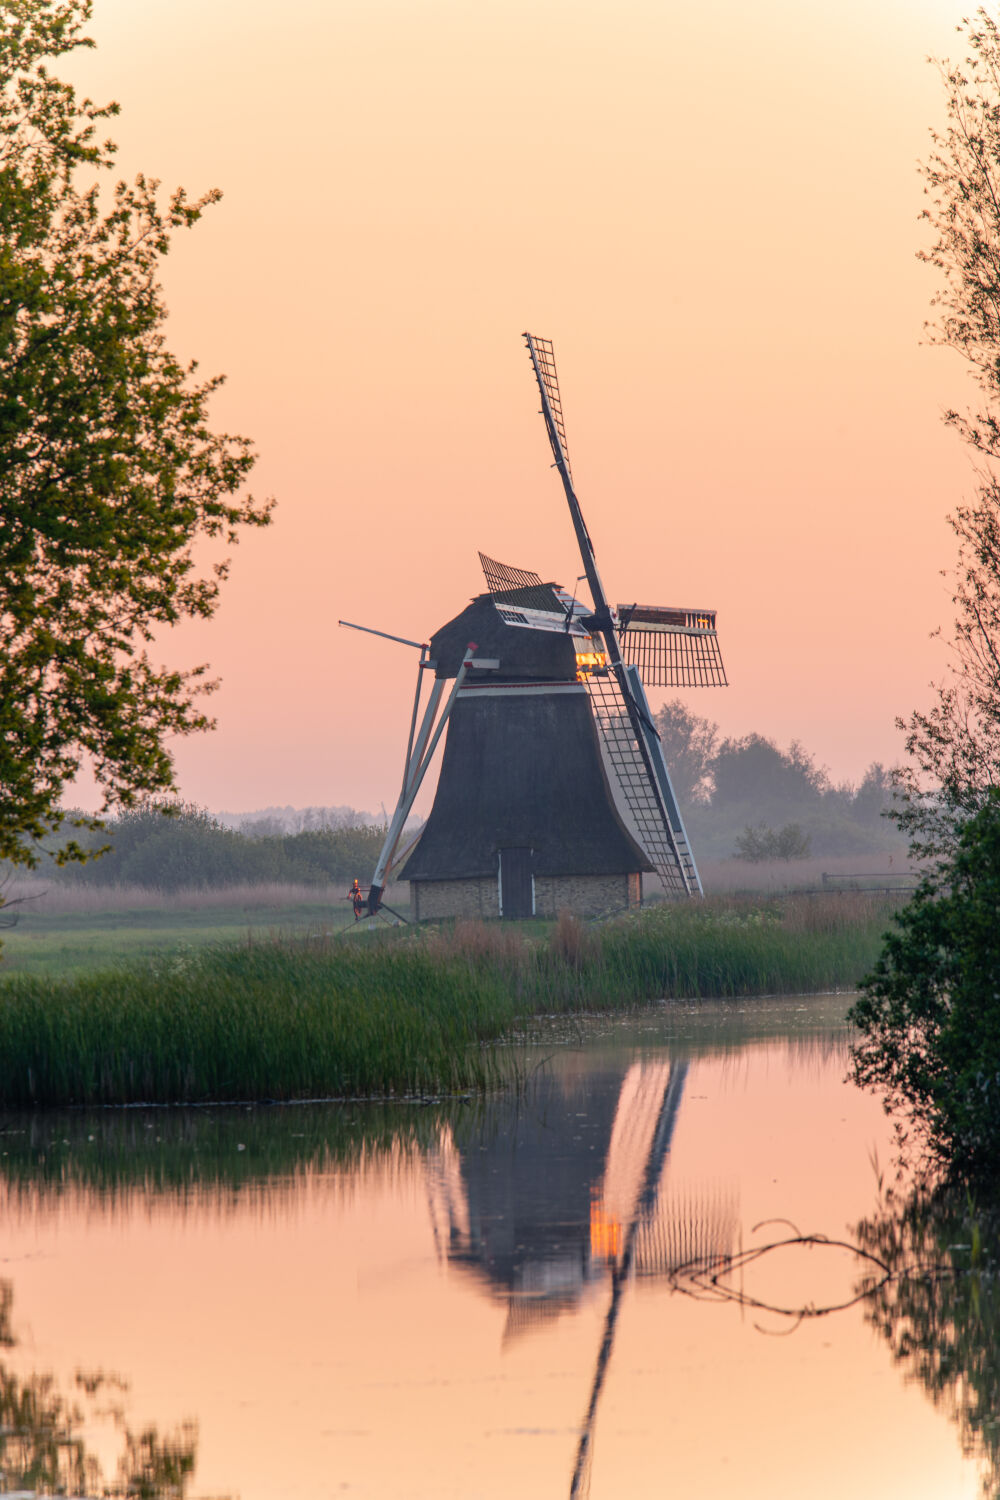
(758, 843)
(929, 1014)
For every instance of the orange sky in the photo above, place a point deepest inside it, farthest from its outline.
(713, 212)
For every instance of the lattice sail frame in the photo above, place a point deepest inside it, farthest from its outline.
(633, 757)
(547, 372)
(672, 647)
(665, 846)
(501, 578)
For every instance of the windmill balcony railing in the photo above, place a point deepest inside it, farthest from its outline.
(659, 617)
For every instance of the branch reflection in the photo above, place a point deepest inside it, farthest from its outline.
(46, 1442)
(928, 1282)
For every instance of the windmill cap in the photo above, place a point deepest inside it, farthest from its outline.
(480, 631)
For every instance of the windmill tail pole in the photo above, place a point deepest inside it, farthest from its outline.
(416, 769)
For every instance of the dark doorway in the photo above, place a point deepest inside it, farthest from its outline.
(516, 896)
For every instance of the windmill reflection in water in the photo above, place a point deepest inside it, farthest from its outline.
(566, 1199)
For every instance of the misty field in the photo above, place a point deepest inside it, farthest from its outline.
(403, 1011)
(64, 930)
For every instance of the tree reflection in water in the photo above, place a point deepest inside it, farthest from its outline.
(43, 1450)
(939, 1308)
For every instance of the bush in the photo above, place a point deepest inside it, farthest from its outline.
(758, 843)
(929, 1015)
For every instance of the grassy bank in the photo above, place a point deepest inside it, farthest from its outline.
(63, 929)
(401, 1012)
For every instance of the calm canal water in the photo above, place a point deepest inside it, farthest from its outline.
(548, 1294)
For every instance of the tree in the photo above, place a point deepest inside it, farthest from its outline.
(929, 1014)
(753, 769)
(689, 744)
(110, 473)
(962, 180)
(869, 801)
(954, 748)
(191, 849)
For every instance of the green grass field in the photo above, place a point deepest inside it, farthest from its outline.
(292, 1013)
(88, 931)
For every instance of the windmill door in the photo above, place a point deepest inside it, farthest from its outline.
(517, 888)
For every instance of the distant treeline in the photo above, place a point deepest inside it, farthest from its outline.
(185, 847)
(746, 797)
(742, 797)
(290, 819)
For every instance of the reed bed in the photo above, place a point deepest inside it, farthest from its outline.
(403, 1012)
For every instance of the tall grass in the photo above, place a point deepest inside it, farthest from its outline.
(274, 1020)
(404, 1012)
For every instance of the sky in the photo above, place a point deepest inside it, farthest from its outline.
(712, 212)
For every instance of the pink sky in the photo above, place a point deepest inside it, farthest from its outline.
(714, 215)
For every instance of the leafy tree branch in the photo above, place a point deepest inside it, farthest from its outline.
(111, 473)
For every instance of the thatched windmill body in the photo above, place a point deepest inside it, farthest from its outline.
(553, 791)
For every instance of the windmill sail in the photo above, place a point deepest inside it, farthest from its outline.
(672, 647)
(632, 754)
(664, 841)
(544, 364)
(501, 578)
(544, 360)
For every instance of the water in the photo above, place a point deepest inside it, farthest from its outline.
(491, 1299)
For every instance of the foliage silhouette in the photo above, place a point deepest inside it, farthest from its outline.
(728, 787)
(928, 1018)
(187, 848)
(954, 747)
(110, 472)
(689, 746)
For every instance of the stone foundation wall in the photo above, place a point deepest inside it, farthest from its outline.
(586, 895)
(432, 899)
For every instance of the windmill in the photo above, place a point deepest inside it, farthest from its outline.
(553, 790)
